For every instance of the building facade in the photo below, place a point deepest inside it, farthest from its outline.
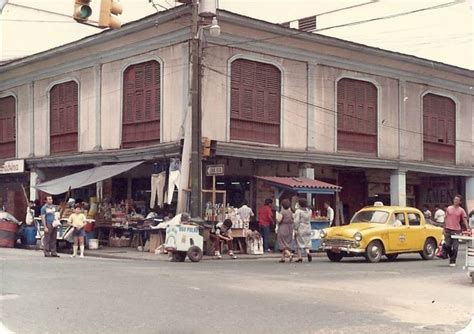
(278, 101)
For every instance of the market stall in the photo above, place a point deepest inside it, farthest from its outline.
(294, 186)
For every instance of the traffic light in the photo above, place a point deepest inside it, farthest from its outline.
(82, 10)
(109, 8)
(208, 148)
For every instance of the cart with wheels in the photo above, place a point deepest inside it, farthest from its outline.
(62, 231)
(184, 240)
(469, 261)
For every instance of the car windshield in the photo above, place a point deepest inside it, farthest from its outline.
(376, 217)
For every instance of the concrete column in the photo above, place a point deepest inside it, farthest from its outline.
(307, 171)
(470, 193)
(33, 182)
(398, 194)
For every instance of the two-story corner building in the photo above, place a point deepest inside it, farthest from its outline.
(280, 102)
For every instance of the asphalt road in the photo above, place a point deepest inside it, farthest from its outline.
(94, 295)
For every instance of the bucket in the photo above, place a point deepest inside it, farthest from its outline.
(90, 236)
(93, 244)
(29, 236)
(7, 233)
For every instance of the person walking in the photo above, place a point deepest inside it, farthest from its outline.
(78, 221)
(439, 216)
(452, 226)
(302, 227)
(330, 213)
(265, 221)
(427, 213)
(50, 233)
(285, 231)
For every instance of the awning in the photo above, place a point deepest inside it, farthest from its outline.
(84, 178)
(300, 184)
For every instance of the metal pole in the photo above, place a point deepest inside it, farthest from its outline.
(196, 163)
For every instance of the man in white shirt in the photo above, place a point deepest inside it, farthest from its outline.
(439, 216)
(245, 212)
(330, 213)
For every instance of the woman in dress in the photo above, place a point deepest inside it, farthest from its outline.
(285, 231)
(302, 227)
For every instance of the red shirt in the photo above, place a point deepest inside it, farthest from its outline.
(265, 215)
(453, 218)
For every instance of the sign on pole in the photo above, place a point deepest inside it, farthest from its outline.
(214, 170)
(12, 166)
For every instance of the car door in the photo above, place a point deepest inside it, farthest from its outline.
(397, 232)
(416, 232)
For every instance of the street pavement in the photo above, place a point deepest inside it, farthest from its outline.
(103, 295)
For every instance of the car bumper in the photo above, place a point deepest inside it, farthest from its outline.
(348, 250)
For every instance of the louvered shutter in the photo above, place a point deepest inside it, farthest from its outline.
(255, 102)
(141, 105)
(439, 128)
(356, 116)
(7, 127)
(64, 118)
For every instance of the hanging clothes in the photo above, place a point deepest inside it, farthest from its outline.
(157, 187)
(173, 178)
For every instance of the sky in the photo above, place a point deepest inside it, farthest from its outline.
(443, 34)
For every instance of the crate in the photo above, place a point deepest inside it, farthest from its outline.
(118, 242)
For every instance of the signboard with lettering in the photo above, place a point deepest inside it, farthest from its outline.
(12, 166)
(214, 170)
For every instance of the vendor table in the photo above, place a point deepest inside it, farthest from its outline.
(240, 235)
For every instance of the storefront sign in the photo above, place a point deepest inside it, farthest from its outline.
(12, 166)
(214, 170)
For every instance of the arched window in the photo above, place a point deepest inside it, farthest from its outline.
(356, 116)
(255, 102)
(63, 118)
(439, 128)
(7, 127)
(141, 104)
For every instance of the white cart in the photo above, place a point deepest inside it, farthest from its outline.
(184, 240)
(469, 265)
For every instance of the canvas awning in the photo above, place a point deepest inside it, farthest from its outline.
(84, 178)
(300, 185)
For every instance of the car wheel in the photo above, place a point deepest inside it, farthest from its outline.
(195, 254)
(374, 251)
(334, 257)
(429, 249)
(179, 256)
(391, 257)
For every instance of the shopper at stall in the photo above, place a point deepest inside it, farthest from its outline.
(245, 212)
(302, 227)
(222, 232)
(50, 232)
(452, 226)
(265, 221)
(329, 213)
(78, 221)
(285, 231)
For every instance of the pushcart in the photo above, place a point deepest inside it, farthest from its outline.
(62, 231)
(469, 264)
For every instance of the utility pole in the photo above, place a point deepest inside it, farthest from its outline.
(196, 162)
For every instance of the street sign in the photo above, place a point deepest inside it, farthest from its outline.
(12, 166)
(214, 170)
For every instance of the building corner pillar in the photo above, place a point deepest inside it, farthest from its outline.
(470, 193)
(398, 194)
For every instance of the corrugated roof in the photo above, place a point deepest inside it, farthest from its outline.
(299, 182)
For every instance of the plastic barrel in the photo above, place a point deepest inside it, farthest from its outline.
(7, 233)
(29, 236)
(90, 236)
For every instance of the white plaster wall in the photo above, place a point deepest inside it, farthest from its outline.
(411, 129)
(326, 110)
(216, 96)
(174, 68)
(87, 110)
(23, 129)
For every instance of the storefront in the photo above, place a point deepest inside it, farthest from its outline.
(13, 181)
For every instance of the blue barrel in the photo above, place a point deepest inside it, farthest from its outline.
(29, 236)
(89, 235)
(316, 227)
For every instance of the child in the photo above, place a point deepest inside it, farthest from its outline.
(78, 221)
(220, 232)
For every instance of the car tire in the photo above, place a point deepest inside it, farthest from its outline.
(429, 249)
(179, 256)
(391, 257)
(334, 257)
(374, 251)
(195, 253)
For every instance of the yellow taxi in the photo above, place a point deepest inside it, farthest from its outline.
(380, 230)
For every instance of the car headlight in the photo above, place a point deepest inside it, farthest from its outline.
(358, 236)
(322, 234)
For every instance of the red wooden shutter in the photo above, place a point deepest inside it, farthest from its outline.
(64, 118)
(141, 105)
(255, 102)
(356, 116)
(439, 128)
(7, 127)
